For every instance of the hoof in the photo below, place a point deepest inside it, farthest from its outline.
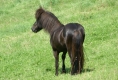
(56, 74)
(63, 71)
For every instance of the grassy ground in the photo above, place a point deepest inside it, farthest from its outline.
(28, 56)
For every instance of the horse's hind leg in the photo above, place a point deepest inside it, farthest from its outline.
(63, 63)
(69, 49)
(56, 55)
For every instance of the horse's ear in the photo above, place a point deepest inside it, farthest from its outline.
(40, 7)
(39, 12)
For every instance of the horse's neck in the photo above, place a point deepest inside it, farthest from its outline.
(49, 23)
(51, 26)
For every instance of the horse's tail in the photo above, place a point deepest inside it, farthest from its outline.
(77, 52)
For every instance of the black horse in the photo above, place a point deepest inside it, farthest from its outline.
(63, 38)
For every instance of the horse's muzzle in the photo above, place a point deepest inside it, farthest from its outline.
(34, 30)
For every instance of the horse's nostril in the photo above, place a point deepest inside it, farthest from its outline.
(32, 29)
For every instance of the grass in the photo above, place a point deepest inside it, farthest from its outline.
(28, 56)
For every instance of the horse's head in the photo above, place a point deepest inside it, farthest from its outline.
(37, 25)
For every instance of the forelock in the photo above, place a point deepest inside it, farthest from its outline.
(39, 12)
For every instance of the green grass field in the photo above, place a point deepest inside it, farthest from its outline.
(25, 55)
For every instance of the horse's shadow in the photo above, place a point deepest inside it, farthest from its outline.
(88, 70)
(68, 70)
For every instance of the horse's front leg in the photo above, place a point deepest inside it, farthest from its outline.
(56, 55)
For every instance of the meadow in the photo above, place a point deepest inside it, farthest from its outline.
(25, 55)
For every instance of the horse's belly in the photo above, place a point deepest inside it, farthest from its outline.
(59, 48)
